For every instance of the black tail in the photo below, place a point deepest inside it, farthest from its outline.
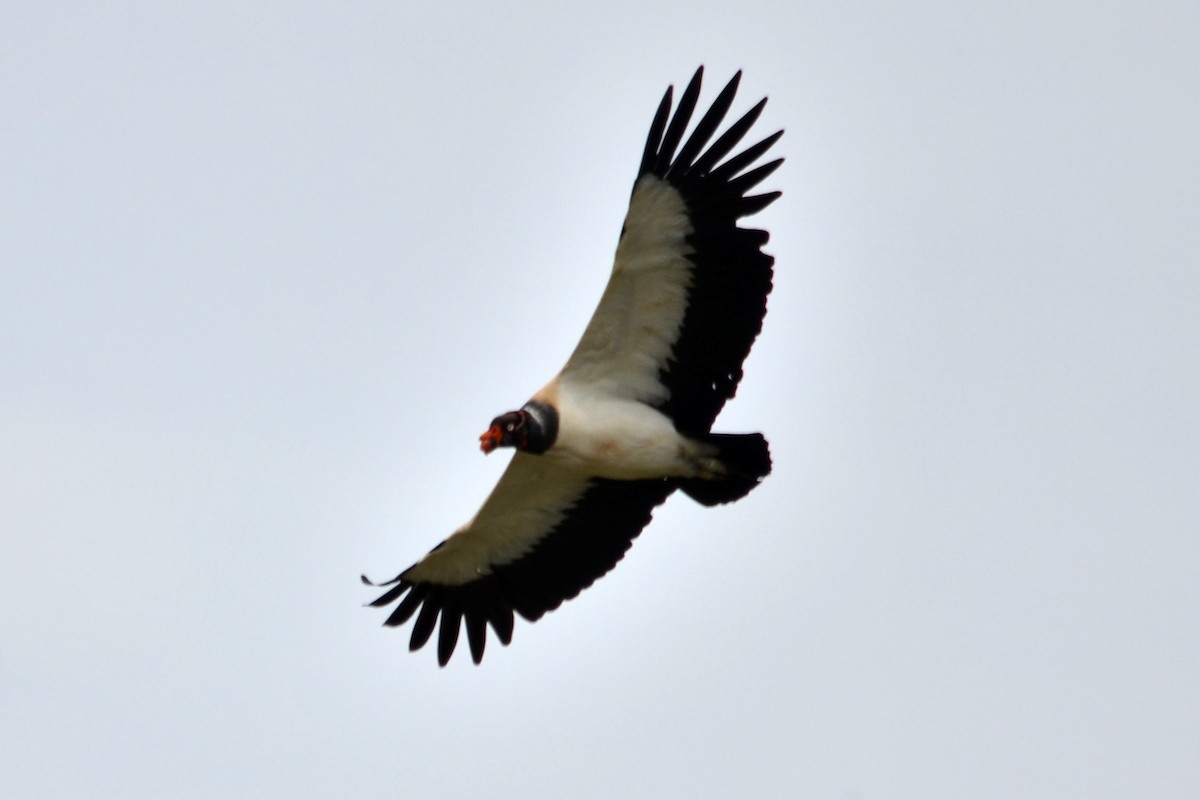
(747, 460)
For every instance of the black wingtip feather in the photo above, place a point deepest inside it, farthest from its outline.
(390, 595)
(407, 607)
(728, 170)
(426, 620)
(476, 624)
(449, 629)
(657, 127)
(755, 203)
(368, 582)
(500, 617)
(678, 124)
(748, 180)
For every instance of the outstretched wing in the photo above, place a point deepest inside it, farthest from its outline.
(689, 288)
(543, 535)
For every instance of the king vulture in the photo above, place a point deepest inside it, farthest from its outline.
(627, 421)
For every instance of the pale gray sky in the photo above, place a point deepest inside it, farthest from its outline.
(266, 273)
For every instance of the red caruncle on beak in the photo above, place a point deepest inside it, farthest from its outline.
(491, 439)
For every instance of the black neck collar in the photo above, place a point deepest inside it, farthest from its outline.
(541, 422)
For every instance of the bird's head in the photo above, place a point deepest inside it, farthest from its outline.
(507, 430)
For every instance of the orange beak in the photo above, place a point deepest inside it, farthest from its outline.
(490, 440)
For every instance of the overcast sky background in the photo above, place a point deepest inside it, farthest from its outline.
(267, 272)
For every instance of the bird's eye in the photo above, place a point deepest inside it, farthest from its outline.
(510, 427)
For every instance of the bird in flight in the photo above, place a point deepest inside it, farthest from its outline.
(628, 419)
